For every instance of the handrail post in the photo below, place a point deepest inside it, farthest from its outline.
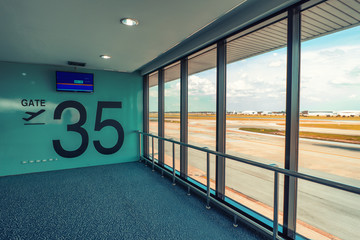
(152, 146)
(139, 146)
(276, 202)
(173, 158)
(208, 180)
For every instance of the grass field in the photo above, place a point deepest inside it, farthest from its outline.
(311, 135)
(332, 126)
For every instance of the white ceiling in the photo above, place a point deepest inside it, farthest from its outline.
(54, 32)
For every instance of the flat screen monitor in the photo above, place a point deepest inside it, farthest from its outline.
(74, 82)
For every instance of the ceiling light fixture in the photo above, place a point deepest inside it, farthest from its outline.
(129, 21)
(105, 56)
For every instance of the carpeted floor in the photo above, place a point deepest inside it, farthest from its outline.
(122, 201)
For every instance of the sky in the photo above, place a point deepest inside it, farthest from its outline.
(330, 79)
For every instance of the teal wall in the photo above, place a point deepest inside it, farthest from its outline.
(29, 148)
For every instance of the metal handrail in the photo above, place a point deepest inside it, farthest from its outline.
(271, 167)
(290, 173)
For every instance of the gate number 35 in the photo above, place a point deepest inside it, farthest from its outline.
(77, 127)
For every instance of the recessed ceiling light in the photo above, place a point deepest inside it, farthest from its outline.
(129, 21)
(105, 56)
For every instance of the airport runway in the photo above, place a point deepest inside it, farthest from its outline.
(323, 212)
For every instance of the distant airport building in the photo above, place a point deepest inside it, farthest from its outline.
(348, 113)
(319, 113)
(266, 113)
(249, 112)
(281, 113)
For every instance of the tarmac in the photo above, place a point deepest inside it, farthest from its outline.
(323, 212)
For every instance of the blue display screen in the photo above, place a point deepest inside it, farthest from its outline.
(74, 82)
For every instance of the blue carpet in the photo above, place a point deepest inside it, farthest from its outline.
(122, 201)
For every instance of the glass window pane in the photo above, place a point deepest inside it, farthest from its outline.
(334, 217)
(329, 144)
(153, 112)
(172, 113)
(202, 109)
(255, 119)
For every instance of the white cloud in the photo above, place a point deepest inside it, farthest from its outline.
(345, 81)
(153, 93)
(201, 86)
(353, 96)
(273, 95)
(172, 89)
(333, 52)
(177, 86)
(330, 78)
(349, 77)
(330, 71)
(275, 64)
(172, 92)
(315, 99)
(195, 99)
(257, 79)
